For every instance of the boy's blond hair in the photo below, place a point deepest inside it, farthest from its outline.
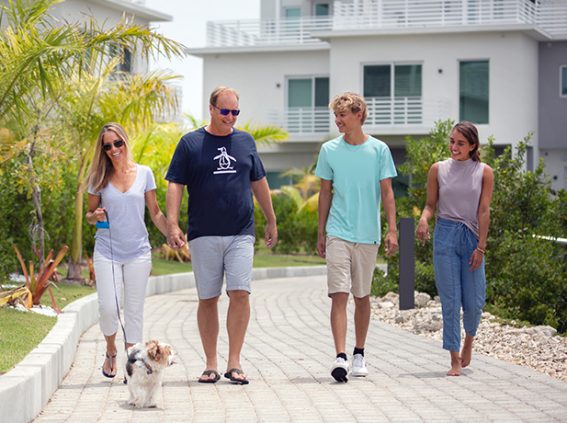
(351, 102)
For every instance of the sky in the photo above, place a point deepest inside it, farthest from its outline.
(189, 28)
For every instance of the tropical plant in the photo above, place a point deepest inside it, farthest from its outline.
(525, 273)
(38, 56)
(39, 282)
(95, 99)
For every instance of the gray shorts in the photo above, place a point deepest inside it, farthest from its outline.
(214, 257)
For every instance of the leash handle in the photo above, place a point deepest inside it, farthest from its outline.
(105, 224)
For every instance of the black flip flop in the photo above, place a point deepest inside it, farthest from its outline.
(229, 376)
(111, 361)
(208, 373)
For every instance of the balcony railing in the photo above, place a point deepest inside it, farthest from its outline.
(394, 111)
(303, 120)
(254, 32)
(549, 17)
(389, 14)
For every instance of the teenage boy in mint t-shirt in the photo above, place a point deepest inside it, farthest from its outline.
(356, 172)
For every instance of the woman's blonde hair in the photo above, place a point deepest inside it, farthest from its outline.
(101, 167)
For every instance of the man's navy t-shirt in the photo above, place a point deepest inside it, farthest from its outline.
(217, 171)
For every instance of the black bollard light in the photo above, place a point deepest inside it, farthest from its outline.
(407, 263)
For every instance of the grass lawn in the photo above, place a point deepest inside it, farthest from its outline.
(21, 332)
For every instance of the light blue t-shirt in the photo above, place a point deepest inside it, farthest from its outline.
(356, 172)
(126, 217)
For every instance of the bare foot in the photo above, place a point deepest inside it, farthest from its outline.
(466, 353)
(455, 364)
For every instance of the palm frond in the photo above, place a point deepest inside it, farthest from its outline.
(265, 134)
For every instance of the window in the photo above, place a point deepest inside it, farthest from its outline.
(392, 81)
(125, 56)
(308, 92)
(473, 91)
(292, 12)
(307, 101)
(563, 82)
(321, 9)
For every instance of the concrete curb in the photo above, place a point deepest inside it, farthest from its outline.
(26, 388)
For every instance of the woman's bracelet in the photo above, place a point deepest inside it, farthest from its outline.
(480, 250)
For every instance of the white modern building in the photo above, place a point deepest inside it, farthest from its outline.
(414, 61)
(108, 13)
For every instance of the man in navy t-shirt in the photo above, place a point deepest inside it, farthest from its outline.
(221, 169)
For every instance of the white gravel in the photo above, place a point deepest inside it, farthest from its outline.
(538, 347)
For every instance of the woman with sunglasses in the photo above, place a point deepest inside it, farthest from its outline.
(119, 190)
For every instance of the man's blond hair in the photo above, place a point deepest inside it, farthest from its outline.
(220, 90)
(351, 102)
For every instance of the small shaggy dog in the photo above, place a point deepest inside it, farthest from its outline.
(144, 371)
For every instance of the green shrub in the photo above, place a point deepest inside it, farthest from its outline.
(526, 275)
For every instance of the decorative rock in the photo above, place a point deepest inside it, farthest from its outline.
(537, 347)
(421, 299)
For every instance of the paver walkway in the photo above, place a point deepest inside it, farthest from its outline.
(287, 356)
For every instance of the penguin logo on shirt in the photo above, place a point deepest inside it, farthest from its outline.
(224, 165)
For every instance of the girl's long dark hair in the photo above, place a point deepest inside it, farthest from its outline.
(469, 131)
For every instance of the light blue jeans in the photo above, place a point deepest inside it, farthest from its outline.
(457, 286)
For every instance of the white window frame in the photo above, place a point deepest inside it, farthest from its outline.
(312, 77)
(392, 74)
(316, 2)
(459, 61)
(286, 8)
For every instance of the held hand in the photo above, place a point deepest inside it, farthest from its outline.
(99, 214)
(175, 237)
(391, 243)
(422, 232)
(271, 235)
(476, 260)
(321, 245)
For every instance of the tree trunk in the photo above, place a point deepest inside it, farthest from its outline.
(36, 198)
(74, 269)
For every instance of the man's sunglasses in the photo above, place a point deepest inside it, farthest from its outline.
(117, 144)
(225, 112)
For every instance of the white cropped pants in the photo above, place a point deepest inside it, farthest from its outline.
(131, 279)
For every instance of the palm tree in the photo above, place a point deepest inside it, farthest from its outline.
(93, 100)
(38, 55)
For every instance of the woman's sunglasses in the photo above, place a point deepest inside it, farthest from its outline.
(225, 112)
(117, 144)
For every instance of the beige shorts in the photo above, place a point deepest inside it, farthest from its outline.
(350, 266)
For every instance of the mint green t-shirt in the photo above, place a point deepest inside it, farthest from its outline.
(356, 172)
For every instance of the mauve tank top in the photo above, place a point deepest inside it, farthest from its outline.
(460, 186)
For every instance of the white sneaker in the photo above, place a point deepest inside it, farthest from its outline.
(340, 370)
(359, 366)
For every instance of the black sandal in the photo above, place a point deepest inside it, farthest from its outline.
(239, 381)
(208, 373)
(110, 359)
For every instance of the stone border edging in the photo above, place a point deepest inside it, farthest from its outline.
(26, 388)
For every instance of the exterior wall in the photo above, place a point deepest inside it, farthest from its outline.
(553, 107)
(260, 79)
(555, 161)
(512, 72)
